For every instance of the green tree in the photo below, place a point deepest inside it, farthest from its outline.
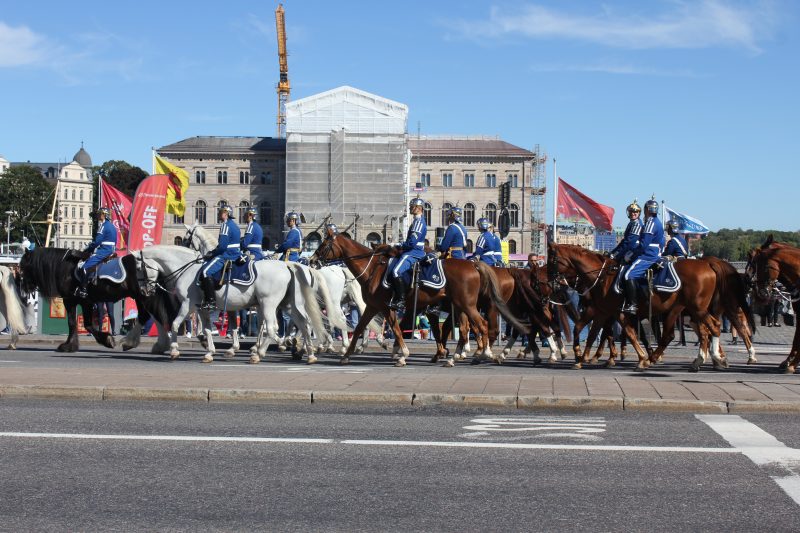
(121, 175)
(24, 191)
(734, 244)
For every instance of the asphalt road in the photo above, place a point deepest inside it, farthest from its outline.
(160, 466)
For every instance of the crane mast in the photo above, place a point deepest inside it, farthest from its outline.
(283, 83)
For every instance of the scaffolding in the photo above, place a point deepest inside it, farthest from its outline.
(538, 190)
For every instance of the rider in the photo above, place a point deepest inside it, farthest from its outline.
(630, 240)
(676, 247)
(253, 235)
(497, 247)
(484, 247)
(647, 253)
(227, 250)
(293, 242)
(103, 245)
(413, 249)
(455, 237)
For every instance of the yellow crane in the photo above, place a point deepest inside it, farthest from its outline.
(283, 84)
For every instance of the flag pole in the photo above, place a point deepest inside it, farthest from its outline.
(555, 202)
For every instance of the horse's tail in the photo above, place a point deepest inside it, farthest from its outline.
(335, 316)
(730, 282)
(353, 289)
(15, 316)
(309, 297)
(489, 280)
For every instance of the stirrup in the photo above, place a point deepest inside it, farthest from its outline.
(82, 293)
(631, 309)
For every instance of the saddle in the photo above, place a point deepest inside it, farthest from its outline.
(110, 269)
(430, 273)
(661, 277)
(242, 273)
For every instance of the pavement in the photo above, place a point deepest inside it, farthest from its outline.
(371, 379)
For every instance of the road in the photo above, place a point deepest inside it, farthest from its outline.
(185, 466)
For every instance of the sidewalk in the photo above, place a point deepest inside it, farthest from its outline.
(510, 387)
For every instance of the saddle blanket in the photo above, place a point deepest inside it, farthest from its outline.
(111, 270)
(431, 274)
(243, 275)
(665, 279)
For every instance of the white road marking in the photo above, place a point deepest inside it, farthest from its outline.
(10, 361)
(177, 438)
(760, 447)
(580, 428)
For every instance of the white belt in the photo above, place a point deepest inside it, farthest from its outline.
(254, 246)
(654, 244)
(420, 244)
(108, 243)
(233, 246)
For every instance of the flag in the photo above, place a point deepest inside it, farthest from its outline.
(576, 206)
(120, 206)
(687, 224)
(178, 184)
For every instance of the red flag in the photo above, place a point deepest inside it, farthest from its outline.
(574, 205)
(120, 206)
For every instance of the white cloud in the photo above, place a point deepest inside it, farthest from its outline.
(21, 46)
(615, 68)
(686, 24)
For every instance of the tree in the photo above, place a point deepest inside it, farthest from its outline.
(122, 175)
(24, 190)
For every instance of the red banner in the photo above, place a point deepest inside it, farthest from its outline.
(120, 206)
(574, 205)
(147, 220)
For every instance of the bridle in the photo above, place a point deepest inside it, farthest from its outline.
(558, 279)
(327, 245)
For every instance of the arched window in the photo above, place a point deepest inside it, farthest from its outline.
(200, 176)
(66, 194)
(445, 208)
(426, 212)
(243, 205)
(73, 194)
(177, 219)
(469, 214)
(312, 242)
(374, 239)
(244, 177)
(178, 241)
(490, 212)
(200, 212)
(512, 246)
(81, 195)
(73, 213)
(469, 247)
(265, 214)
(266, 178)
(491, 180)
(513, 215)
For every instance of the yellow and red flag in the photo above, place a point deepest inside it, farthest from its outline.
(176, 189)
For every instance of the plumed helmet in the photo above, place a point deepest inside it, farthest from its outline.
(651, 207)
(251, 211)
(226, 208)
(291, 215)
(103, 209)
(416, 202)
(633, 207)
(483, 224)
(455, 212)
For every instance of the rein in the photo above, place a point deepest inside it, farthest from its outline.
(174, 275)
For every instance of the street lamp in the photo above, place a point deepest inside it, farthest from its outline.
(8, 230)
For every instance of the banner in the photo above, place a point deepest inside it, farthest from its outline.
(147, 221)
(120, 205)
(575, 206)
(176, 189)
(688, 225)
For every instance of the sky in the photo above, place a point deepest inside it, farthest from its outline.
(695, 101)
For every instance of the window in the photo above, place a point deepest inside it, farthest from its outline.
(469, 247)
(66, 229)
(73, 229)
(177, 219)
(222, 177)
(200, 176)
(243, 206)
(81, 196)
(66, 194)
(512, 246)
(200, 212)
(425, 179)
(66, 175)
(374, 239)
(178, 241)
(447, 179)
(266, 178)
(73, 196)
(265, 214)
(73, 216)
(81, 212)
(469, 214)
(512, 179)
(220, 204)
(81, 175)
(469, 179)
(445, 208)
(491, 180)
(80, 228)
(490, 212)
(427, 213)
(513, 216)
(312, 241)
(244, 177)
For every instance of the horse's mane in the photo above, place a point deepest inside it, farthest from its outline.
(45, 265)
(580, 250)
(170, 248)
(387, 249)
(207, 240)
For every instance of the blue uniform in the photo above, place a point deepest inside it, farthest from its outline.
(253, 236)
(650, 247)
(455, 238)
(103, 245)
(630, 240)
(676, 247)
(484, 248)
(497, 249)
(413, 247)
(227, 250)
(292, 245)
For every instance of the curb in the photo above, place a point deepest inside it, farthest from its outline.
(695, 406)
(66, 392)
(756, 406)
(258, 396)
(570, 402)
(465, 400)
(154, 394)
(402, 398)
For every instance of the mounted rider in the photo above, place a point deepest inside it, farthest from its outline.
(484, 247)
(648, 252)
(455, 237)
(293, 243)
(228, 249)
(497, 247)
(253, 235)
(413, 250)
(624, 250)
(103, 246)
(676, 247)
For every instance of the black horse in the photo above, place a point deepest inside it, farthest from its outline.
(51, 271)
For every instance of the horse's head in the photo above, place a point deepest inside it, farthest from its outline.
(763, 267)
(328, 250)
(198, 239)
(26, 276)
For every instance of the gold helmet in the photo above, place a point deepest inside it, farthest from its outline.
(633, 207)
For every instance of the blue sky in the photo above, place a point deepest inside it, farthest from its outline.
(695, 101)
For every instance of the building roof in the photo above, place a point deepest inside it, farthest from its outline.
(83, 158)
(215, 144)
(465, 147)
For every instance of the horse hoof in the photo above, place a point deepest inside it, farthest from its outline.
(174, 354)
(401, 362)
(360, 350)
(208, 358)
(553, 359)
(448, 363)
(229, 353)
(789, 370)
(610, 363)
(344, 361)
(255, 359)
(752, 360)
(577, 366)
(639, 369)
(694, 368)
(312, 359)
(281, 348)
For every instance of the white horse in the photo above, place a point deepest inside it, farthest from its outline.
(11, 306)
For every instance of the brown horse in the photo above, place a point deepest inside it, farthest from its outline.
(591, 273)
(464, 280)
(779, 262)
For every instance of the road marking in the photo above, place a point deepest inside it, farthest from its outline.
(10, 361)
(581, 428)
(179, 438)
(760, 447)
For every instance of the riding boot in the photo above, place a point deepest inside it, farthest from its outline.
(631, 297)
(209, 294)
(81, 290)
(399, 296)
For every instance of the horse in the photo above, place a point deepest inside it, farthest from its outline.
(11, 306)
(779, 262)
(464, 281)
(592, 270)
(52, 272)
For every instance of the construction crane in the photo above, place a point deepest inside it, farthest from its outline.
(283, 84)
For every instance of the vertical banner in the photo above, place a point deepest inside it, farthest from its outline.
(120, 206)
(147, 221)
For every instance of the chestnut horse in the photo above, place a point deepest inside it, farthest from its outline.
(593, 274)
(779, 262)
(464, 282)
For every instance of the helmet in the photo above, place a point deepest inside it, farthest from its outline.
(103, 209)
(455, 212)
(651, 207)
(483, 224)
(251, 211)
(331, 228)
(416, 202)
(633, 207)
(292, 215)
(674, 226)
(226, 207)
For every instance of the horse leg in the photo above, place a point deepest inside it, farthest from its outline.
(174, 351)
(102, 338)
(630, 332)
(667, 333)
(211, 350)
(441, 332)
(162, 341)
(366, 316)
(744, 333)
(587, 349)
